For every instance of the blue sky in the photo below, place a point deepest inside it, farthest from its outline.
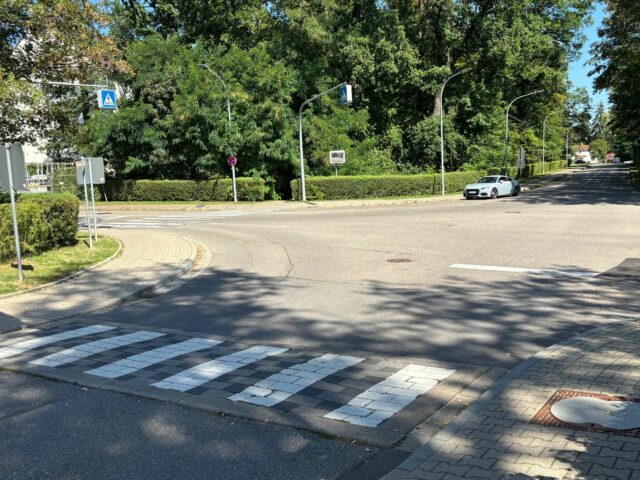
(578, 70)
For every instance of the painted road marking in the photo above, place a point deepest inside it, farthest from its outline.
(157, 355)
(25, 345)
(87, 349)
(282, 385)
(542, 271)
(388, 397)
(196, 376)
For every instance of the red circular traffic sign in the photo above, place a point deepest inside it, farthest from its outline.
(232, 160)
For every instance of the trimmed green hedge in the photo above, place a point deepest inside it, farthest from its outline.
(531, 169)
(184, 190)
(335, 188)
(45, 221)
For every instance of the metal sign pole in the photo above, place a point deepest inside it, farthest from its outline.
(233, 175)
(86, 204)
(93, 203)
(16, 235)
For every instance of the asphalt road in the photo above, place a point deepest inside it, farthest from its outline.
(379, 279)
(342, 280)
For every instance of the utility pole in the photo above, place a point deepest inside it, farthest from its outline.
(465, 70)
(506, 138)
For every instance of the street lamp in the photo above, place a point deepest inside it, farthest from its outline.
(304, 104)
(204, 65)
(506, 137)
(226, 92)
(465, 70)
(544, 131)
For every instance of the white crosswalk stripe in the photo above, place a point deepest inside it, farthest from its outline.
(388, 397)
(289, 381)
(87, 349)
(143, 360)
(159, 221)
(25, 345)
(193, 377)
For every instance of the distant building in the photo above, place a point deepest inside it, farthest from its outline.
(583, 153)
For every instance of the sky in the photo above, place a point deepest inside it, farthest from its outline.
(578, 70)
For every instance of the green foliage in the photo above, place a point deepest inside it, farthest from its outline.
(599, 149)
(248, 189)
(45, 221)
(338, 188)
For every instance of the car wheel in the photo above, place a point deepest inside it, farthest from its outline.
(494, 193)
(516, 191)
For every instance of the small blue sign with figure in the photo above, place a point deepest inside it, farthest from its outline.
(107, 99)
(345, 95)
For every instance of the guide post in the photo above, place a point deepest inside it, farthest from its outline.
(81, 179)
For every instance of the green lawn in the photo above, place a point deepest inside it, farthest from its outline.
(55, 264)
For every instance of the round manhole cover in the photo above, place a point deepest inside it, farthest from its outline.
(615, 415)
(399, 260)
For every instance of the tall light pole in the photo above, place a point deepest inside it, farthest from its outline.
(465, 70)
(506, 137)
(304, 104)
(226, 92)
(544, 132)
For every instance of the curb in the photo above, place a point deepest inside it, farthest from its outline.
(70, 276)
(186, 266)
(441, 438)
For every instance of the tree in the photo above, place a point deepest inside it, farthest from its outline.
(599, 148)
(616, 60)
(48, 40)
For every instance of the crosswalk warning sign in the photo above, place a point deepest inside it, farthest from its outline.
(107, 99)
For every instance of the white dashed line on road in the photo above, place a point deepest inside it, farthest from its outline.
(388, 397)
(146, 359)
(539, 271)
(92, 348)
(282, 385)
(196, 376)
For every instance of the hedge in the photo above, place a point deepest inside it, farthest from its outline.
(45, 221)
(531, 169)
(184, 190)
(361, 186)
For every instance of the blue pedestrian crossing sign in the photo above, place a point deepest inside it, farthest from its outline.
(345, 95)
(107, 99)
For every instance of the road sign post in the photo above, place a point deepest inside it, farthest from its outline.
(337, 157)
(93, 201)
(6, 184)
(81, 179)
(232, 161)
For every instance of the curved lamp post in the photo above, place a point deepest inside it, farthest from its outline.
(226, 92)
(506, 137)
(544, 132)
(465, 70)
(304, 104)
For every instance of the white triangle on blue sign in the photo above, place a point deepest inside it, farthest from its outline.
(108, 100)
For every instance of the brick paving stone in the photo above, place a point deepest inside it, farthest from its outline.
(497, 440)
(146, 261)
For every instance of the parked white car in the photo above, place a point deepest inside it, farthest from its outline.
(492, 186)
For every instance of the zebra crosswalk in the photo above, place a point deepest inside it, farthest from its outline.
(163, 220)
(363, 392)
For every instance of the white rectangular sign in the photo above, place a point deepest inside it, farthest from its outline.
(337, 156)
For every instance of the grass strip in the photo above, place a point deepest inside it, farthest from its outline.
(55, 264)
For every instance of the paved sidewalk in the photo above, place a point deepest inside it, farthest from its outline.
(495, 438)
(146, 261)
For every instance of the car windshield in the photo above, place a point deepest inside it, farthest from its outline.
(487, 180)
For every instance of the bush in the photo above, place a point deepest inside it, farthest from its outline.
(249, 189)
(45, 221)
(335, 188)
(531, 169)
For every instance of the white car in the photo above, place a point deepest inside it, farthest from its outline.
(492, 186)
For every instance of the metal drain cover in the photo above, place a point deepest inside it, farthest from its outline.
(616, 415)
(591, 411)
